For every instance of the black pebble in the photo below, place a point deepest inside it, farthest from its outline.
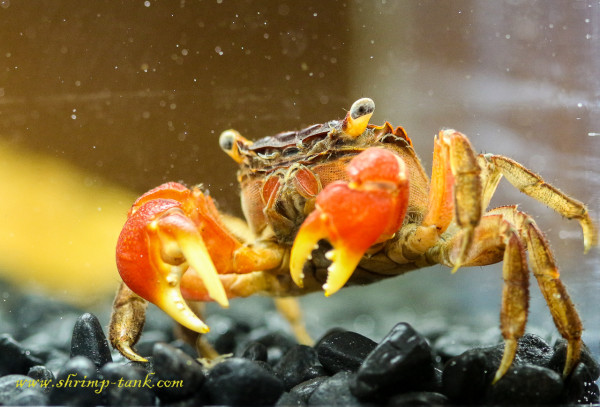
(401, 362)
(344, 351)
(42, 374)
(231, 334)
(185, 347)
(334, 391)
(466, 377)
(255, 351)
(14, 358)
(580, 387)
(238, 381)
(174, 366)
(292, 367)
(89, 340)
(305, 389)
(290, 400)
(130, 386)
(74, 384)
(418, 399)
(28, 398)
(557, 362)
(9, 387)
(149, 338)
(277, 343)
(527, 384)
(532, 350)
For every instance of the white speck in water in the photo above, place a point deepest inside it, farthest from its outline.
(218, 50)
(5, 3)
(147, 4)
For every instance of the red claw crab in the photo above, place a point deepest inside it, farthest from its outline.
(336, 204)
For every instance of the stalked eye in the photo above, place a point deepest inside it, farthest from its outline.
(227, 139)
(362, 107)
(231, 141)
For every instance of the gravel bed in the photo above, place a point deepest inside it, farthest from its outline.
(54, 354)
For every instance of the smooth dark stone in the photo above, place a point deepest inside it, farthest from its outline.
(255, 351)
(174, 366)
(314, 372)
(185, 347)
(292, 367)
(238, 381)
(277, 343)
(28, 397)
(148, 340)
(305, 389)
(290, 399)
(532, 350)
(580, 387)
(457, 341)
(334, 391)
(42, 375)
(557, 362)
(418, 399)
(89, 340)
(465, 378)
(527, 384)
(130, 386)
(78, 383)
(231, 334)
(14, 384)
(14, 357)
(344, 351)
(401, 362)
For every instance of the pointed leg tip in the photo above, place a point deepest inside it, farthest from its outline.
(129, 353)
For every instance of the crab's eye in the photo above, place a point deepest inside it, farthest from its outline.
(362, 107)
(229, 141)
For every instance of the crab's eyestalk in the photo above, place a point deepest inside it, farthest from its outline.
(358, 116)
(354, 215)
(230, 142)
(157, 245)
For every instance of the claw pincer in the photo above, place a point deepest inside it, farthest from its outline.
(160, 241)
(354, 215)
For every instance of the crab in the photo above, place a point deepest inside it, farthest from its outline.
(338, 204)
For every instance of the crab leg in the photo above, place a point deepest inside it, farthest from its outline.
(533, 185)
(455, 192)
(505, 234)
(353, 216)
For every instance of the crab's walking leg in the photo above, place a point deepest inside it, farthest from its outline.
(127, 322)
(354, 215)
(290, 309)
(504, 234)
(455, 192)
(533, 185)
(546, 272)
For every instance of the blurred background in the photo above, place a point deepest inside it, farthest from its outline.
(101, 101)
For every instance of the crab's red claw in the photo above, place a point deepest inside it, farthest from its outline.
(354, 215)
(157, 245)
